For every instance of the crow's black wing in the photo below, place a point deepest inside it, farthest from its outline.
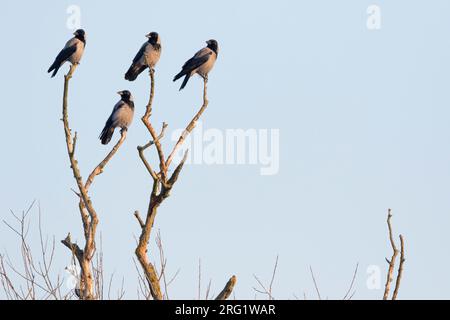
(63, 56)
(195, 62)
(140, 53)
(191, 65)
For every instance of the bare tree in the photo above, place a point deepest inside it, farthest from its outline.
(89, 216)
(162, 186)
(34, 277)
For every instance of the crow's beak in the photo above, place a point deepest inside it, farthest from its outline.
(119, 92)
(148, 35)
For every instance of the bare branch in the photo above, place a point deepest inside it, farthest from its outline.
(139, 219)
(70, 146)
(141, 250)
(228, 289)
(400, 268)
(88, 289)
(88, 214)
(390, 275)
(77, 252)
(177, 171)
(264, 291)
(99, 168)
(163, 263)
(273, 277)
(141, 150)
(146, 120)
(351, 283)
(173, 278)
(315, 283)
(191, 125)
(208, 289)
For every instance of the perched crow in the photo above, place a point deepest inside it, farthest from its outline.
(149, 52)
(201, 63)
(72, 51)
(121, 116)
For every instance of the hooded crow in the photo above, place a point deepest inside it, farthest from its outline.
(121, 116)
(149, 53)
(72, 51)
(201, 63)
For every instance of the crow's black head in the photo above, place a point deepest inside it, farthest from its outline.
(153, 37)
(125, 95)
(213, 45)
(80, 33)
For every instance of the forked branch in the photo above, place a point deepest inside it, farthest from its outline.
(162, 186)
(391, 262)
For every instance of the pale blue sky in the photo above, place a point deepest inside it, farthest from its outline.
(363, 119)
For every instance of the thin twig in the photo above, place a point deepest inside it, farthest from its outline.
(139, 219)
(315, 283)
(273, 277)
(208, 289)
(352, 282)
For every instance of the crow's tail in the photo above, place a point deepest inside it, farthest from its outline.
(185, 81)
(133, 72)
(54, 67)
(106, 134)
(179, 75)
